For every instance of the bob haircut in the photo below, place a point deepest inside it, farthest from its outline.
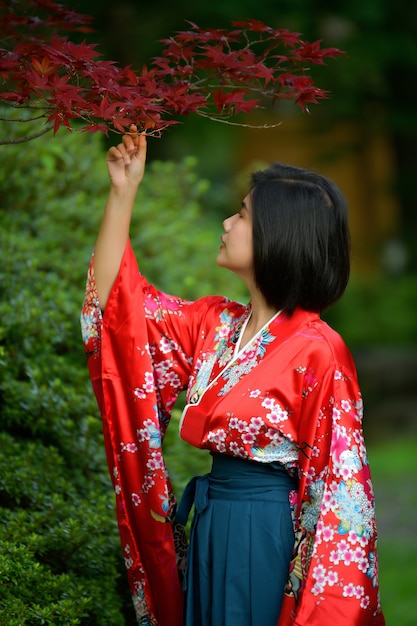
(301, 238)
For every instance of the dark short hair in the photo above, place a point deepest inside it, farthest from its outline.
(301, 238)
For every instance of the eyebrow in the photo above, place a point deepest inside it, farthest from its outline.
(243, 204)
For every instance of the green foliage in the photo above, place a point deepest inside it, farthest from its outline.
(377, 310)
(61, 561)
(394, 476)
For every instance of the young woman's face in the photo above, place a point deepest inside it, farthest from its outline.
(236, 250)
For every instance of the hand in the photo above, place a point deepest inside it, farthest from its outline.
(126, 161)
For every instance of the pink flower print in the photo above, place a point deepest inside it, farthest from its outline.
(318, 588)
(277, 415)
(349, 590)
(251, 354)
(338, 375)
(237, 450)
(223, 331)
(335, 414)
(149, 382)
(155, 462)
(364, 603)
(255, 425)
(342, 546)
(310, 381)
(328, 498)
(233, 423)
(142, 435)
(345, 473)
(363, 565)
(359, 591)
(340, 443)
(319, 573)
(255, 393)
(359, 554)
(128, 447)
(293, 497)
(167, 345)
(148, 483)
(268, 403)
(217, 436)
(346, 406)
(352, 537)
(320, 526)
(328, 533)
(234, 447)
(332, 578)
(347, 557)
(248, 438)
(136, 500)
(139, 393)
(334, 557)
(173, 379)
(241, 426)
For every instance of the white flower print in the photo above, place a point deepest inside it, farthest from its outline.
(349, 590)
(277, 414)
(346, 406)
(155, 462)
(248, 438)
(139, 393)
(217, 436)
(167, 345)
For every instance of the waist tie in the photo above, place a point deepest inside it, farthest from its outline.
(235, 479)
(195, 492)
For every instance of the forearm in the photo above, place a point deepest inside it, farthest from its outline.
(112, 239)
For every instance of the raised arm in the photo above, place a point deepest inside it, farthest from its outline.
(125, 165)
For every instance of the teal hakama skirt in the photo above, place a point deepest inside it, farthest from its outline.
(241, 543)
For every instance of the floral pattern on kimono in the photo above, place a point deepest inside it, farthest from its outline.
(290, 395)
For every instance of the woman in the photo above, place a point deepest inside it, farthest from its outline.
(283, 529)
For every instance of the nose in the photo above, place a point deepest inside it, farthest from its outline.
(227, 223)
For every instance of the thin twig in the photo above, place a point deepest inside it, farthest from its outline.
(21, 119)
(224, 121)
(4, 142)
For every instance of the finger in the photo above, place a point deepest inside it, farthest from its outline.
(130, 141)
(119, 152)
(114, 153)
(140, 152)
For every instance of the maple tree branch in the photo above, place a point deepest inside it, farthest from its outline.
(28, 137)
(21, 119)
(222, 120)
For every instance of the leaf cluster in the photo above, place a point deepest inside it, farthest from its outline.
(212, 72)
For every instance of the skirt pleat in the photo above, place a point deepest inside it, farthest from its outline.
(241, 543)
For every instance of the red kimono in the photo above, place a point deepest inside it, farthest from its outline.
(289, 395)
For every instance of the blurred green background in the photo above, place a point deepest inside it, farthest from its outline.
(60, 560)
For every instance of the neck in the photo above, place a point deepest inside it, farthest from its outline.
(261, 313)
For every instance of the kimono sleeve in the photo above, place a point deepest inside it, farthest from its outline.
(139, 358)
(334, 572)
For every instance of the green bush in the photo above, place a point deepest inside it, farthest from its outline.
(61, 561)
